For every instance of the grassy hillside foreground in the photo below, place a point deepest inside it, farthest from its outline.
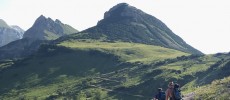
(95, 70)
(71, 63)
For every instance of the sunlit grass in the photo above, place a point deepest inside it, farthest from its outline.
(218, 89)
(129, 52)
(85, 69)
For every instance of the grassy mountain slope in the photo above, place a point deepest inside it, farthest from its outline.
(20, 48)
(112, 61)
(127, 52)
(191, 72)
(218, 89)
(80, 69)
(73, 64)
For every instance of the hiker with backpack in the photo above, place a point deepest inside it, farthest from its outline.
(160, 95)
(177, 92)
(169, 91)
(173, 92)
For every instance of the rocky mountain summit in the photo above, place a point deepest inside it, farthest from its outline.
(48, 29)
(129, 24)
(9, 33)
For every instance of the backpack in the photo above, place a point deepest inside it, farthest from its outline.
(160, 96)
(177, 94)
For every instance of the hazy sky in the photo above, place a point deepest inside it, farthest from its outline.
(204, 24)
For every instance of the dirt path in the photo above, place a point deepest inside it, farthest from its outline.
(109, 90)
(190, 96)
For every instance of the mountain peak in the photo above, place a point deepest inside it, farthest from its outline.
(122, 11)
(9, 33)
(120, 5)
(48, 29)
(41, 18)
(127, 23)
(116, 10)
(43, 21)
(3, 24)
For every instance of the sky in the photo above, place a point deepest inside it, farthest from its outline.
(204, 24)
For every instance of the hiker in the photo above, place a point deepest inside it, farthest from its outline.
(169, 91)
(177, 92)
(160, 95)
(173, 92)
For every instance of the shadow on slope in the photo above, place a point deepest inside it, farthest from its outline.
(52, 62)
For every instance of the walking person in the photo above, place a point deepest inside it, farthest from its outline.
(173, 92)
(177, 92)
(160, 95)
(169, 91)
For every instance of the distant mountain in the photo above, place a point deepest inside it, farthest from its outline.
(3, 24)
(43, 30)
(9, 33)
(129, 24)
(20, 30)
(48, 29)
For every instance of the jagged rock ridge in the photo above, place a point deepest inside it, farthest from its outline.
(48, 29)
